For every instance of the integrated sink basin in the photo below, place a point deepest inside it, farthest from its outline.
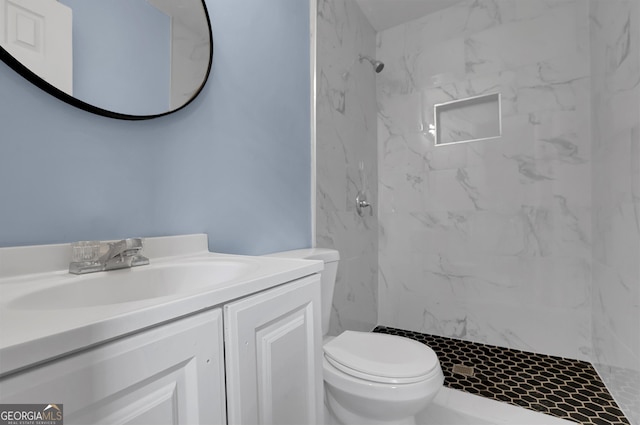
(136, 284)
(46, 312)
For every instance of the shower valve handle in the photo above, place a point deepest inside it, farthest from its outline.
(361, 203)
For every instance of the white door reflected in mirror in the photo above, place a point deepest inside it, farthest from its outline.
(38, 33)
(131, 59)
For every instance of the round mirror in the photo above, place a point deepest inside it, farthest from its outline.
(127, 59)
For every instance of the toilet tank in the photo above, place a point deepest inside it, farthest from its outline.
(327, 277)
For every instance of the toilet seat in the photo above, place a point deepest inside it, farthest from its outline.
(381, 358)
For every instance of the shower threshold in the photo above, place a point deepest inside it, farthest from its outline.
(455, 407)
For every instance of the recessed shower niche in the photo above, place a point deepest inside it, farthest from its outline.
(468, 120)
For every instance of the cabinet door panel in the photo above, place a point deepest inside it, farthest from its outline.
(273, 356)
(172, 374)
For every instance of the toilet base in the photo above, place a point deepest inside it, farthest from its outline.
(329, 417)
(336, 414)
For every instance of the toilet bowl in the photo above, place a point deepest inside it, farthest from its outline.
(371, 378)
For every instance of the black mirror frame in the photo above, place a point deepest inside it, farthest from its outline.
(54, 91)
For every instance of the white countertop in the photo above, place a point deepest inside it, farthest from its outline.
(31, 336)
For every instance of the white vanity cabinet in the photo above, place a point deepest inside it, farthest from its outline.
(193, 338)
(273, 351)
(170, 374)
(270, 349)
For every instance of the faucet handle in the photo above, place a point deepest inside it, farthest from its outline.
(132, 245)
(126, 246)
(85, 251)
(124, 253)
(361, 203)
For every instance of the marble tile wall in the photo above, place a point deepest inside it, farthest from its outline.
(346, 136)
(189, 59)
(488, 241)
(615, 123)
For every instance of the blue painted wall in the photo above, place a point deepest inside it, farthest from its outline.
(234, 164)
(121, 55)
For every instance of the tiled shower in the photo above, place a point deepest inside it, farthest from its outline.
(530, 241)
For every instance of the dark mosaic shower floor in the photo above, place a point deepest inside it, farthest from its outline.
(565, 388)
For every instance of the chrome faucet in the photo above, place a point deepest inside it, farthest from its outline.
(124, 254)
(120, 255)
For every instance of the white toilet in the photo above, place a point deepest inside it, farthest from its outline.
(371, 378)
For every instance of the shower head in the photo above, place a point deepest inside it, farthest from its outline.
(377, 65)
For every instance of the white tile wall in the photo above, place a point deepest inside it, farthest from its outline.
(530, 241)
(615, 68)
(488, 241)
(346, 135)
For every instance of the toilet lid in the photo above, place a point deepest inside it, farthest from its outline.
(381, 357)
